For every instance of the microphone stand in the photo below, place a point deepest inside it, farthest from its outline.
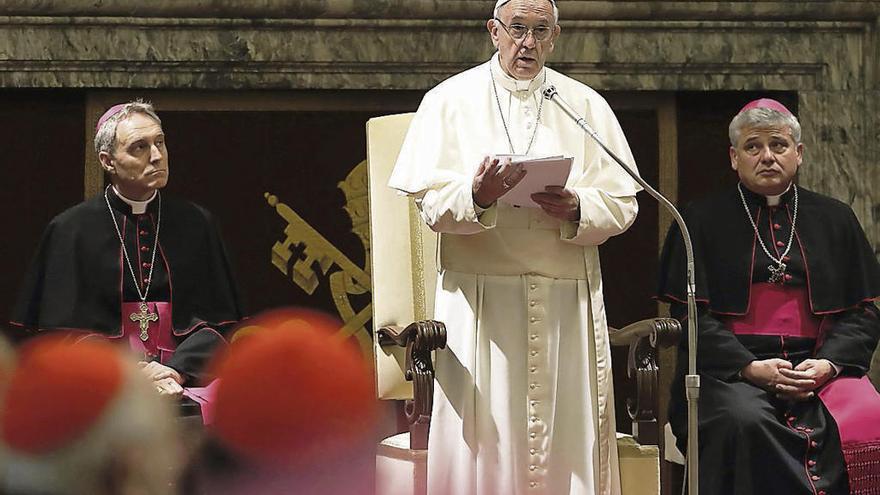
(692, 379)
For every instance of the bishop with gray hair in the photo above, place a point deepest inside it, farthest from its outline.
(785, 282)
(132, 265)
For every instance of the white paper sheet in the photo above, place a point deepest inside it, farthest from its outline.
(540, 173)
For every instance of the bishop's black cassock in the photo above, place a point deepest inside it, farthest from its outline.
(750, 441)
(80, 280)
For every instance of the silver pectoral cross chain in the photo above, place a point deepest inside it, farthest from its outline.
(777, 273)
(144, 316)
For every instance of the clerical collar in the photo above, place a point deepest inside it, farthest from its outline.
(761, 200)
(512, 84)
(774, 200)
(137, 207)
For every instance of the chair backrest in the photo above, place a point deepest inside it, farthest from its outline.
(403, 265)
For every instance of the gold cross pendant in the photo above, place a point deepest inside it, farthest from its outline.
(144, 318)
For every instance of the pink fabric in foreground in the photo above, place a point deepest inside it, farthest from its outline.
(855, 405)
(776, 309)
(205, 397)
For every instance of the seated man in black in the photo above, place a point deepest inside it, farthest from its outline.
(785, 284)
(132, 264)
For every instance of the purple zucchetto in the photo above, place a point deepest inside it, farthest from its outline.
(108, 114)
(766, 103)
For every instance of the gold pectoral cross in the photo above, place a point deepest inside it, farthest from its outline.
(144, 318)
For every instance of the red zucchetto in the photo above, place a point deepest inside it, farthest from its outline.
(57, 392)
(291, 391)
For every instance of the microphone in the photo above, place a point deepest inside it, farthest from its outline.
(692, 379)
(551, 94)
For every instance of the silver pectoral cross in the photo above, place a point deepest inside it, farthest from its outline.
(144, 317)
(776, 273)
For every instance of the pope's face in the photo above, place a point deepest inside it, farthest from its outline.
(139, 164)
(766, 159)
(523, 58)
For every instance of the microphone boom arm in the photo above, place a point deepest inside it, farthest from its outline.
(692, 379)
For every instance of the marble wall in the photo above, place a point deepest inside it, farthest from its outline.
(827, 51)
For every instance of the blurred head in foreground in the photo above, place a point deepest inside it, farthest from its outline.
(295, 407)
(80, 419)
(7, 364)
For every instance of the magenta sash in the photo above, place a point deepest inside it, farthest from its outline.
(776, 309)
(855, 405)
(160, 339)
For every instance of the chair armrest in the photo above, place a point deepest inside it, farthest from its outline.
(662, 332)
(420, 338)
(643, 339)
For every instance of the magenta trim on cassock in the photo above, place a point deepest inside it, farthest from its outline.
(777, 309)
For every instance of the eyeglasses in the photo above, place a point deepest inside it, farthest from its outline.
(519, 31)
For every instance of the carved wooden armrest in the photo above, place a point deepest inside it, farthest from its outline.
(419, 338)
(644, 338)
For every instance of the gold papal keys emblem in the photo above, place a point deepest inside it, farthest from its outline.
(319, 257)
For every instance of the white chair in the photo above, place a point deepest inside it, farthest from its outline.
(403, 272)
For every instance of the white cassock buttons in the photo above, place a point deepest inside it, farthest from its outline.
(536, 366)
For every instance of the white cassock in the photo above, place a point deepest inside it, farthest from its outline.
(524, 400)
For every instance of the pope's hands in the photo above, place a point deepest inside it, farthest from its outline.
(166, 380)
(494, 178)
(559, 202)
